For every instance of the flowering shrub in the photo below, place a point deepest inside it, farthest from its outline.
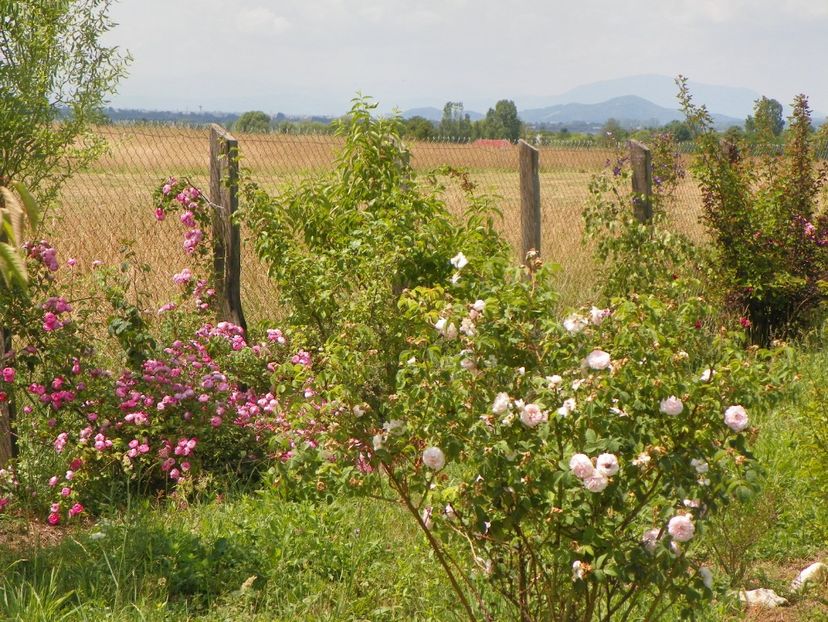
(571, 462)
(166, 403)
(770, 236)
(638, 257)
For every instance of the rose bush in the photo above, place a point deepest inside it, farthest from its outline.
(568, 464)
(121, 397)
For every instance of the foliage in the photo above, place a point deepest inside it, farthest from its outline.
(253, 122)
(570, 462)
(55, 74)
(455, 122)
(766, 122)
(502, 121)
(18, 211)
(762, 212)
(165, 404)
(419, 128)
(641, 257)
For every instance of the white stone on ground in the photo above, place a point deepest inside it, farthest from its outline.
(815, 573)
(762, 597)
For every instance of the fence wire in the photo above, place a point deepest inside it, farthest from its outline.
(111, 202)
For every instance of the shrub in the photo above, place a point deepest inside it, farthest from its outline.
(762, 212)
(122, 399)
(571, 463)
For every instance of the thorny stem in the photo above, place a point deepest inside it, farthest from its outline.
(435, 546)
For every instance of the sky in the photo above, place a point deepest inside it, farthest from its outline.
(313, 56)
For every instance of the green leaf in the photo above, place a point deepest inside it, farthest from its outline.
(13, 269)
(31, 207)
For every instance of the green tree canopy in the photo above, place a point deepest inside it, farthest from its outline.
(502, 121)
(455, 122)
(253, 122)
(55, 75)
(419, 127)
(767, 121)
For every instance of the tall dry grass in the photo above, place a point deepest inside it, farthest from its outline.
(112, 201)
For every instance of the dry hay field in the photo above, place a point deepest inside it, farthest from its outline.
(111, 202)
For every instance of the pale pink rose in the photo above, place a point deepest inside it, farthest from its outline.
(501, 403)
(650, 539)
(434, 458)
(607, 464)
(671, 406)
(700, 465)
(596, 482)
(681, 528)
(736, 418)
(567, 408)
(581, 466)
(597, 316)
(575, 323)
(531, 415)
(598, 360)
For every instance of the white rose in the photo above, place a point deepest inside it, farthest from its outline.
(467, 327)
(671, 406)
(597, 316)
(706, 576)
(581, 466)
(681, 528)
(567, 408)
(434, 458)
(378, 441)
(554, 381)
(501, 403)
(531, 415)
(459, 261)
(707, 374)
(596, 482)
(650, 540)
(607, 464)
(598, 360)
(440, 325)
(479, 306)
(451, 332)
(358, 411)
(575, 323)
(700, 465)
(736, 418)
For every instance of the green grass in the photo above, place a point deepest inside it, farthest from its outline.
(257, 556)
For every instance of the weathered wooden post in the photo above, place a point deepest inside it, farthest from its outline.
(224, 188)
(8, 440)
(641, 161)
(530, 206)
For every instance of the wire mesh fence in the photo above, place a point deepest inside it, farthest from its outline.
(110, 204)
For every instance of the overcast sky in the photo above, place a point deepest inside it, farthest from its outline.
(312, 56)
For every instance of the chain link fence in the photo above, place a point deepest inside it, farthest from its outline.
(109, 206)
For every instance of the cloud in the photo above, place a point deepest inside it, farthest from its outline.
(261, 21)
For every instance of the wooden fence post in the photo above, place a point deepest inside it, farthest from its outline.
(641, 161)
(224, 188)
(8, 439)
(530, 206)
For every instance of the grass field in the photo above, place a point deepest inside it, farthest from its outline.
(112, 200)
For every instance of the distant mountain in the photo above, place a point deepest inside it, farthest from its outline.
(436, 114)
(629, 110)
(730, 101)
(661, 90)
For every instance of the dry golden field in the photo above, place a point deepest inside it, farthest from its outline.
(112, 201)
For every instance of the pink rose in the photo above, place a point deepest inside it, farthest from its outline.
(681, 528)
